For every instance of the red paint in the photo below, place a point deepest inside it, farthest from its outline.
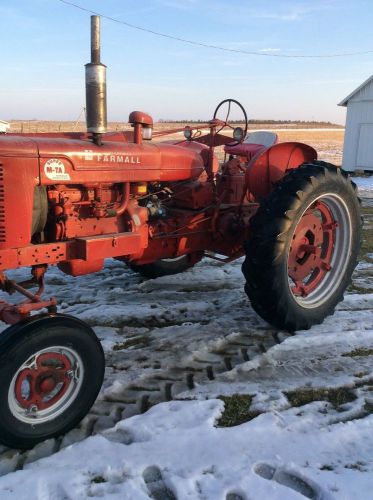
(141, 118)
(51, 371)
(311, 249)
(247, 151)
(270, 166)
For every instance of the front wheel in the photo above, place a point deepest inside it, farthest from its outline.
(303, 247)
(51, 371)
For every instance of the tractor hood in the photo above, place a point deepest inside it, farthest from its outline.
(19, 146)
(76, 161)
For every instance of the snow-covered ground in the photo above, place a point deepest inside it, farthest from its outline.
(309, 397)
(365, 185)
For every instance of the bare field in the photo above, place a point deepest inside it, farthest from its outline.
(327, 141)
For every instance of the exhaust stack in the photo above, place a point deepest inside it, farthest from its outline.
(95, 85)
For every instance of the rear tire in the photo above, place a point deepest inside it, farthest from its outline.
(51, 371)
(303, 247)
(166, 267)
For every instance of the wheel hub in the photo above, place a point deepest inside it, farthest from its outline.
(42, 384)
(311, 249)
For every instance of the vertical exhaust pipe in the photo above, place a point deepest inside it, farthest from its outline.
(95, 85)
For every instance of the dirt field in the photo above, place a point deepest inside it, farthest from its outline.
(328, 143)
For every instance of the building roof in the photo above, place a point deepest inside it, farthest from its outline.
(350, 96)
(4, 122)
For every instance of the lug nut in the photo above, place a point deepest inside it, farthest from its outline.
(32, 409)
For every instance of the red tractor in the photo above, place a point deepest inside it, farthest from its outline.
(74, 199)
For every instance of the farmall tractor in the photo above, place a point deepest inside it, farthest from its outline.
(74, 199)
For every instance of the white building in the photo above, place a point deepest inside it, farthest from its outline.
(4, 127)
(358, 144)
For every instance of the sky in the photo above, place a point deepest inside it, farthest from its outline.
(46, 43)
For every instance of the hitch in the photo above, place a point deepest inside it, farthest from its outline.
(13, 313)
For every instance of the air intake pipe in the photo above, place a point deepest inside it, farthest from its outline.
(95, 85)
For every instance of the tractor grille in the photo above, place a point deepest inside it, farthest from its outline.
(2, 206)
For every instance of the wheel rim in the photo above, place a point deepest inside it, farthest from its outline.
(319, 251)
(45, 385)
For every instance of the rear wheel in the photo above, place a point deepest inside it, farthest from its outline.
(51, 370)
(303, 247)
(165, 267)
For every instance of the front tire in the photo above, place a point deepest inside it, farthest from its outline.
(51, 371)
(303, 247)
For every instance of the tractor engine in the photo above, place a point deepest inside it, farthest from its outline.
(75, 211)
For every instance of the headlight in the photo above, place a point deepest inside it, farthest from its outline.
(147, 133)
(238, 134)
(188, 133)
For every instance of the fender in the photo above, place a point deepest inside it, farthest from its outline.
(269, 166)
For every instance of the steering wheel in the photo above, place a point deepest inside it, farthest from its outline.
(227, 124)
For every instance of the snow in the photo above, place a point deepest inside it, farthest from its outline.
(365, 185)
(177, 446)
(153, 328)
